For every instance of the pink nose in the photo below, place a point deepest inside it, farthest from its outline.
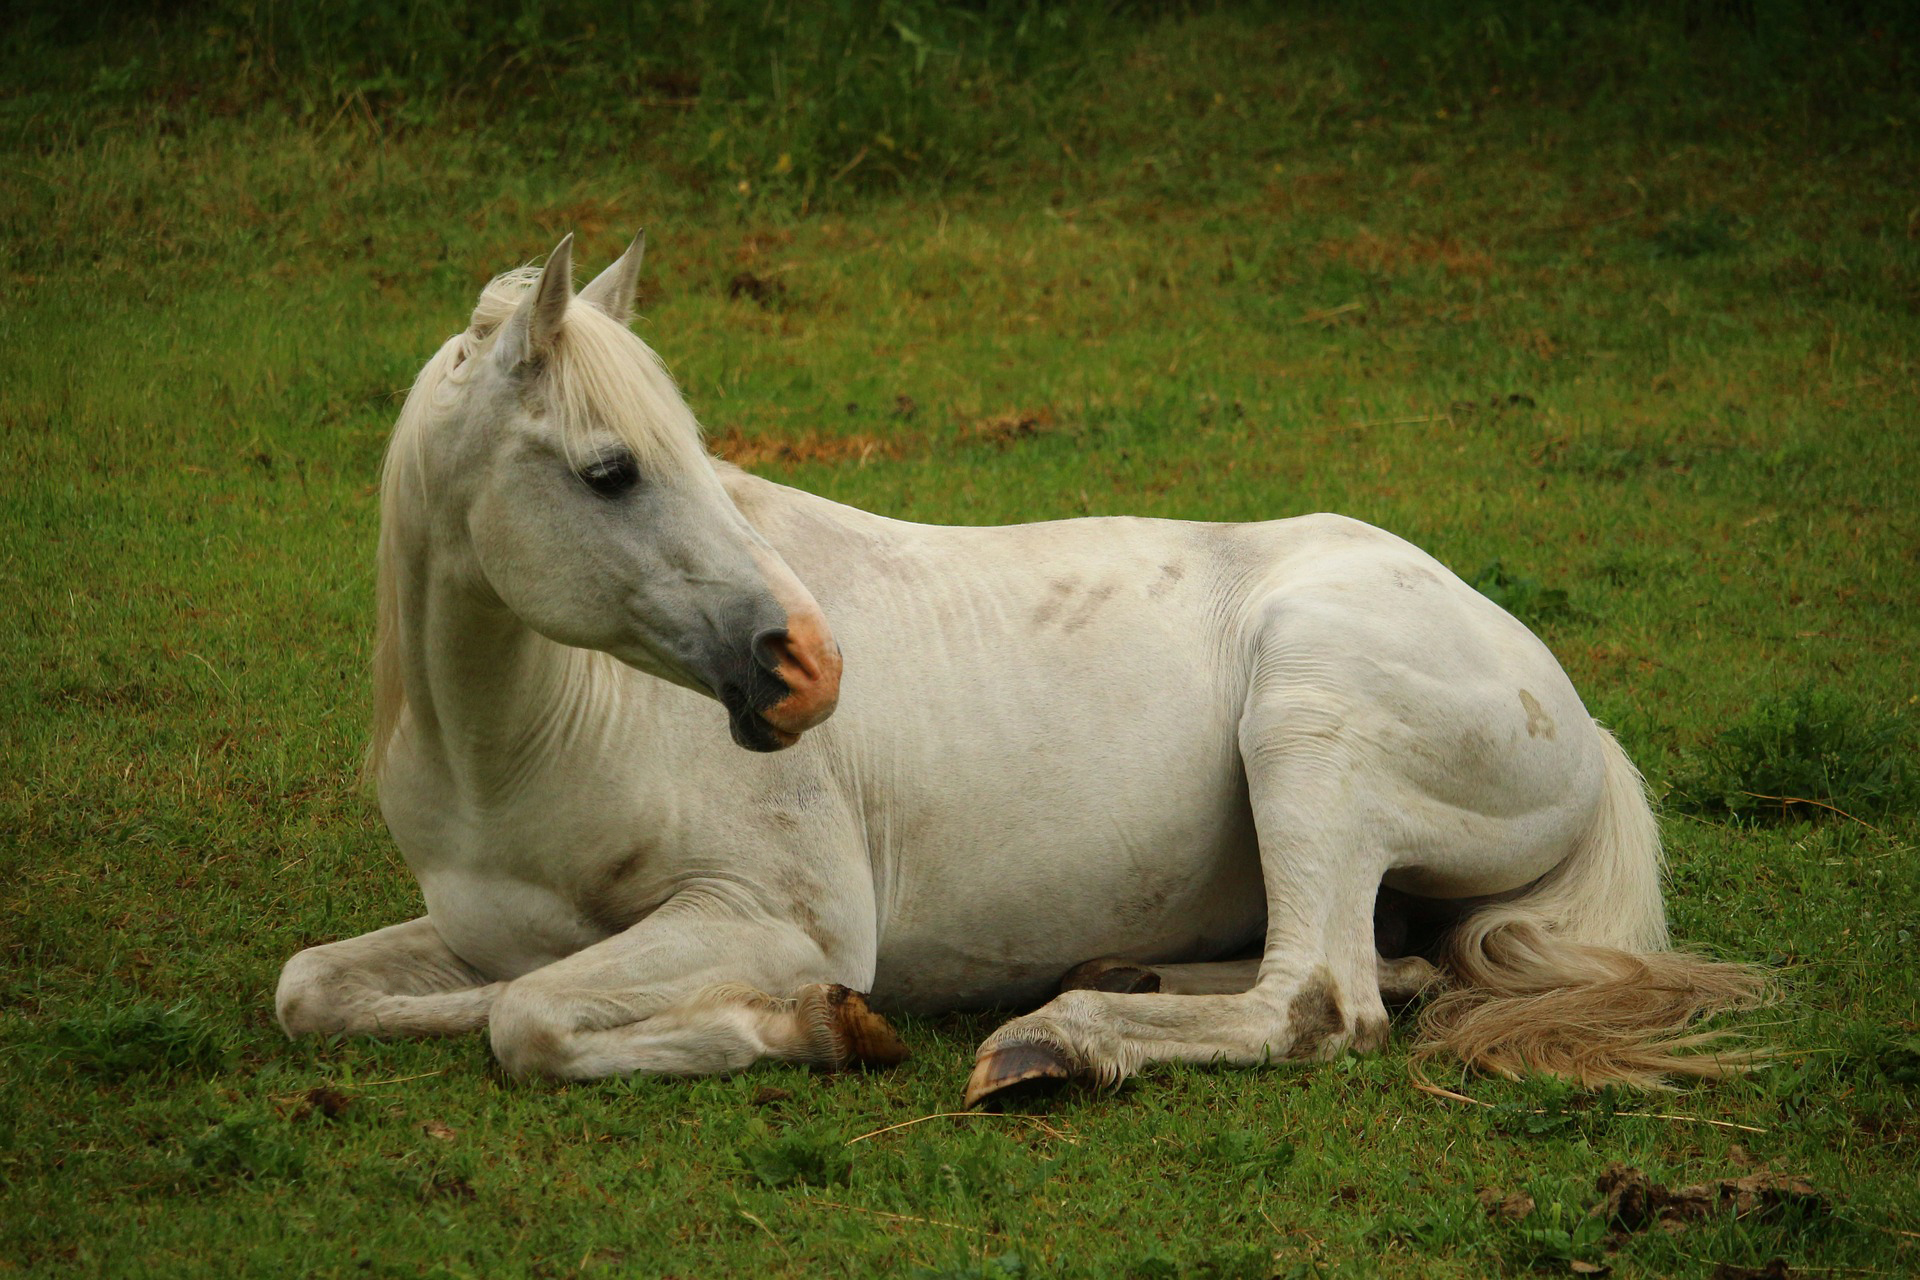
(808, 661)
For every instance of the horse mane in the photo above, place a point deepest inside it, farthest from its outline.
(598, 380)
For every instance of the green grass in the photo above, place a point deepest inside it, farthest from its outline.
(1613, 310)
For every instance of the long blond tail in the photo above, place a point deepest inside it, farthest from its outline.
(1575, 979)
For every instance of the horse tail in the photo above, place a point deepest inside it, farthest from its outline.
(1573, 976)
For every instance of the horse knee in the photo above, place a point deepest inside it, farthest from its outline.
(528, 1035)
(305, 1000)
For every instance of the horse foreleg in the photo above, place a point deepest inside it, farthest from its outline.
(396, 982)
(689, 993)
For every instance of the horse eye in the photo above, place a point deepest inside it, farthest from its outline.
(611, 475)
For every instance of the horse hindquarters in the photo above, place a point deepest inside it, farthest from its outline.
(1574, 977)
(1445, 752)
(1325, 795)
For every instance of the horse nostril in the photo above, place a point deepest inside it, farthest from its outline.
(773, 649)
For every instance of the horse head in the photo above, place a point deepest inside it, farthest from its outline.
(565, 480)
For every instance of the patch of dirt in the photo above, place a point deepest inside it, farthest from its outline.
(1004, 429)
(1510, 1205)
(327, 1103)
(1635, 1202)
(588, 217)
(1383, 255)
(767, 291)
(1777, 1269)
(673, 84)
(1499, 404)
(450, 1185)
(809, 446)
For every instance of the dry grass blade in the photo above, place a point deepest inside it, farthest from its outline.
(1434, 1089)
(381, 1084)
(1037, 1122)
(901, 1217)
(1784, 801)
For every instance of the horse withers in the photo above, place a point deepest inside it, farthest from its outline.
(1235, 788)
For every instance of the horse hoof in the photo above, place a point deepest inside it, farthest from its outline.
(1015, 1071)
(867, 1039)
(1106, 974)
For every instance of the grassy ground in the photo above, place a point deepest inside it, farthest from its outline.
(1614, 313)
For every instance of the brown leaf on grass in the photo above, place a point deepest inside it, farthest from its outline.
(1004, 429)
(434, 1129)
(1580, 1267)
(767, 1095)
(748, 451)
(1511, 1205)
(1635, 1202)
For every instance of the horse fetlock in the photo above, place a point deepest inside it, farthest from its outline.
(844, 1031)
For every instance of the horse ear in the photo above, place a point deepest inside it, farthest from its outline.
(613, 289)
(535, 323)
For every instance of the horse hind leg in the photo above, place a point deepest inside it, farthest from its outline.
(1317, 988)
(1327, 801)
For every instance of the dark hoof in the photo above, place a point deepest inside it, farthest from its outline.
(866, 1038)
(1014, 1072)
(1122, 976)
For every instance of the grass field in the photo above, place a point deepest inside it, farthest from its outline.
(1614, 310)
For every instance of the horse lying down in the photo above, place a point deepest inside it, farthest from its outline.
(1244, 786)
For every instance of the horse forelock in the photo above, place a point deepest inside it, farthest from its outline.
(599, 380)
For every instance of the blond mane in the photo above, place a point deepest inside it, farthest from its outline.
(598, 380)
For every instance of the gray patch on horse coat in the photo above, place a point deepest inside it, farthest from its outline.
(1413, 579)
(1070, 604)
(1147, 905)
(1062, 590)
(1170, 576)
(800, 891)
(1539, 723)
(1313, 1016)
(1084, 614)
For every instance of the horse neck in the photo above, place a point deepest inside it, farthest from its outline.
(488, 697)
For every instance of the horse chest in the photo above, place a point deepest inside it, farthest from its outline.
(507, 893)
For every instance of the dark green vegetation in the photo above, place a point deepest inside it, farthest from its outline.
(1616, 312)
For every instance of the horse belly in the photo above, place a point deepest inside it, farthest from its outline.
(1012, 905)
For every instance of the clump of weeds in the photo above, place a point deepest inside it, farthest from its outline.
(1801, 755)
(137, 1039)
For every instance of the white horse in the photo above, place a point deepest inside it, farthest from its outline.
(1242, 785)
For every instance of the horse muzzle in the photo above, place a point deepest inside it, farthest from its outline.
(792, 684)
